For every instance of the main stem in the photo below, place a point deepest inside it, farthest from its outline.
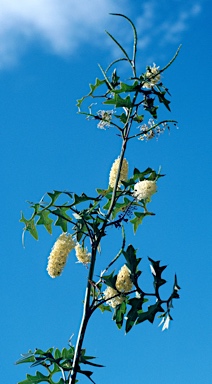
(85, 317)
(87, 312)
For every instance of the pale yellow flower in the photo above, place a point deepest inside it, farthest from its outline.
(144, 189)
(152, 76)
(59, 254)
(82, 254)
(123, 281)
(123, 285)
(114, 172)
(109, 293)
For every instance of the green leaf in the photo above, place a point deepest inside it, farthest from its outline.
(119, 102)
(115, 78)
(82, 198)
(130, 256)
(150, 314)
(104, 192)
(122, 117)
(53, 196)
(63, 218)
(97, 84)
(110, 280)
(148, 105)
(26, 358)
(92, 90)
(138, 118)
(141, 175)
(132, 315)
(121, 207)
(38, 378)
(45, 220)
(30, 226)
(67, 353)
(119, 45)
(57, 353)
(119, 313)
(104, 308)
(127, 88)
(157, 272)
(137, 220)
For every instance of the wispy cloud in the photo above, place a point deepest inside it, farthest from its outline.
(60, 26)
(165, 24)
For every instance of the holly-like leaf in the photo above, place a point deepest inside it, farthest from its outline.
(131, 259)
(119, 102)
(38, 378)
(119, 313)
(137, 220)
(63, 218)
(122, 117)
(30, 226)
(110, 280)
(132, 315)
(82, 198)
(97, 84)
(157, 272)
(150, 314)
(53, 196)
(45, 220)
(137, 175)
(93, 87)
(127, 88)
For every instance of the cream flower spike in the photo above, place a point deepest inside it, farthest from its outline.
(114, 171)
(59, 254)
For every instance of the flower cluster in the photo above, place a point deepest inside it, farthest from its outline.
(151, 130)
(114, 171)
(59, 254)
(112, 296)
(105, 119)
(82, 254)
(123, 281)
(144, 189)
(123, 284)
(152, 76)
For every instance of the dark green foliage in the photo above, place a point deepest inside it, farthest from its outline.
(119, 313)
(55, 361)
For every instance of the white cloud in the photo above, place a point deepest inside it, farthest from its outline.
(59, 24)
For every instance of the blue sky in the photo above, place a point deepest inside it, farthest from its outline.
(49, 52)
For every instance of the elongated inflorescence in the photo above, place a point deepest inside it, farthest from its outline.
(59, 254)
(114, 172)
